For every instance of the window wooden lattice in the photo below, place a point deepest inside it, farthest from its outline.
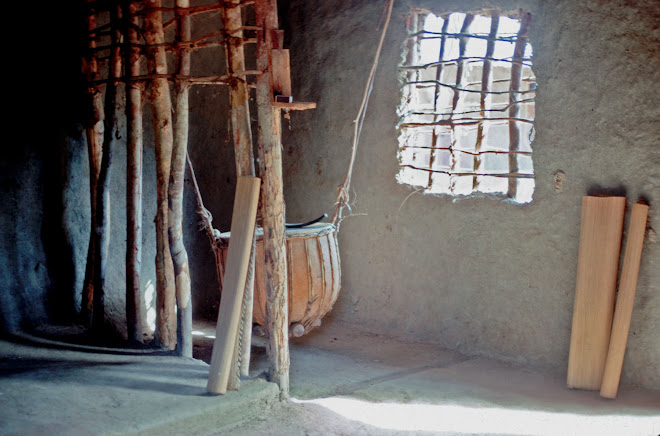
(467, 112)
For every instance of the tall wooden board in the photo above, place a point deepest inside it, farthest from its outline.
(236, 269)
(624, 301)
(280, 66)
(598, 263)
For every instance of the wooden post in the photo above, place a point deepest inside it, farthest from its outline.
(269, 149)
(133, 174)
(175, 193)
(238, 259)
(624, 301)
(161, 107)
(102, 232)
(239, 98)
(94, 131)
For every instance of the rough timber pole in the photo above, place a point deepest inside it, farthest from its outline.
(94, 129)
(175, 220)
(133, 174)
(239, 97)
(272, 202)
(101, 229)
(161, 107)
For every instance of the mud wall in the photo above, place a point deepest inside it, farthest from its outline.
(479, 274)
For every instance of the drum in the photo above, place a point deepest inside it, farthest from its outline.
(313, 271)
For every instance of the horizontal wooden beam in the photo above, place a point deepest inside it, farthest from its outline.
(295, 106)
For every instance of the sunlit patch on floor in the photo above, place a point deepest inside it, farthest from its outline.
(462, 419)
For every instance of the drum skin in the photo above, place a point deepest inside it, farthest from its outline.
(313, 273)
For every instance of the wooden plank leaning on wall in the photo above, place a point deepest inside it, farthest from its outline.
(601, 228)
(624, 301)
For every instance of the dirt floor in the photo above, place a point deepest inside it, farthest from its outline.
(344, 381)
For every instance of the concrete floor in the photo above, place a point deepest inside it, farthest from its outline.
(343, 382)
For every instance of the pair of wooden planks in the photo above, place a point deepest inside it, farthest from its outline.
(236, 270)
(598, 345)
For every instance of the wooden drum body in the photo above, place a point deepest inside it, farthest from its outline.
(313, 271)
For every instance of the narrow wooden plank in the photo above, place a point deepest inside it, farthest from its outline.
(336, 268)
(598, 261)
(624, 301)
(294, 106)
(328, 278)
(315, 279)
(236, 269)
(299, 287)
(259, 308)
(280, 66)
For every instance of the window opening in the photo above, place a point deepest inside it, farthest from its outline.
(467, 108)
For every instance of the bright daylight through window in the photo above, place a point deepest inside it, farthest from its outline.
(467, 110)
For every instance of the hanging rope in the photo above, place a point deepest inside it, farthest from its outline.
(343, 195)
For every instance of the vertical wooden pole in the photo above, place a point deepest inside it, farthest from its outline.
(516, 78)
(436, 96)
(239, 93)
(94, 131)
(161, 107)
(133, 174)
(175, 219)
(625, 301)
(461, 79)
(239, 97)
(269, 149)
(486, 79)
(102, 233)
